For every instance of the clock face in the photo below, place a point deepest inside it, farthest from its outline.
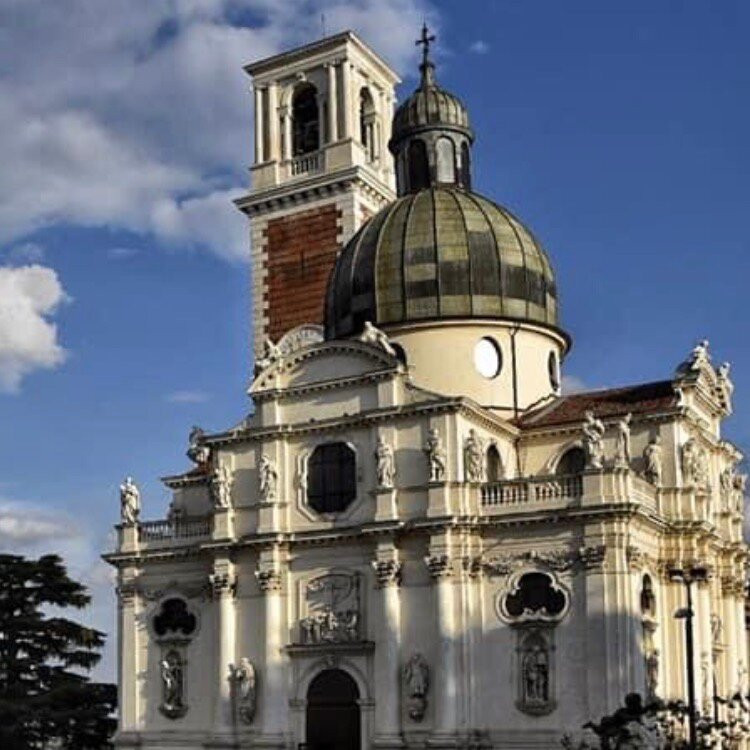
(488, 358)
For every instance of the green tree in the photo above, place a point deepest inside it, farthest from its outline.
(45, 698)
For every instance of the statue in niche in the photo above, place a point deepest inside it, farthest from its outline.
(372, 335)
(726, 486)
(593, 433)
(130, 502)
(652, 457)
(694, 464)
(535, 672)
(197, 451)
(243, 680)
(706, 692)
(221, 486)
(172, 680)
(268, 479)
(435, 455)
(417, 678)
(474, 457)
(622, 442)
(740, 482)
(652, 673)
(385, 463)
(271, 353)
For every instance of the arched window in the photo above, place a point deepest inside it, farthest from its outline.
(465, 166)
(573, 461)
(446, 161)
(331, 478)
(553, 368)
(419, 170)
(536, 592)
(494, 464)
(367, 123)
(305, 122)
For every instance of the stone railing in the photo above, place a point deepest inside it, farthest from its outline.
(306, 163)
(189, 527)
(532, 490)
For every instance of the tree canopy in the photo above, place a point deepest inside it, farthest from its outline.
(46, 699)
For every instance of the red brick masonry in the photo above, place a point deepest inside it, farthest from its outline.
(301, 250)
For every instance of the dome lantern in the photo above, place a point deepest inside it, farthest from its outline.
(431, 139)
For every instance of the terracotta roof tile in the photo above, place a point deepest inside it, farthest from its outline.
(638, 399)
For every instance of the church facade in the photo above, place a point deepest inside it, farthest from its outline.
(415, 539)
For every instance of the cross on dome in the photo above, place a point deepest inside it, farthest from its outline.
(427, 68)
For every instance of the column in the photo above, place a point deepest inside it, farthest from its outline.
(273, 122)
(346, 97)
(222, 584)
(321, 121)
(333, 110)
(273, 703)
(383, 118)
(128, 663)
(388, 655)
(286, 117)
(259, 156)
(445, 694)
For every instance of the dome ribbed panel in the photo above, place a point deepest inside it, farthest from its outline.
(440, 253)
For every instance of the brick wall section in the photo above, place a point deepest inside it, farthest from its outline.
(300, 252)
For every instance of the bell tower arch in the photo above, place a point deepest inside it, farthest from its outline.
(321, 168)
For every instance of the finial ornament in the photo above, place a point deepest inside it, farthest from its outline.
(427, 65)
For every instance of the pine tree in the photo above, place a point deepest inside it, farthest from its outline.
(45, 698)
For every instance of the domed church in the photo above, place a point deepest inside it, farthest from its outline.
(415, 539)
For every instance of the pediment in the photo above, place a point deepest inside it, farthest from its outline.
(329, 363)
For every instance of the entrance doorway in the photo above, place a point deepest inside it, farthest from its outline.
(333, 720)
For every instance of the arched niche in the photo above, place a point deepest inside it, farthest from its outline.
(367, 123)
(494, 463)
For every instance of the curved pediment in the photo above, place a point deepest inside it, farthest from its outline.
(324, 364)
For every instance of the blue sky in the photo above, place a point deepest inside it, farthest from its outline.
(617, 131)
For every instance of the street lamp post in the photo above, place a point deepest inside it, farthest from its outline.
(689, 576)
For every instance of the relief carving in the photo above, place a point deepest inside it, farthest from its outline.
(333, 610)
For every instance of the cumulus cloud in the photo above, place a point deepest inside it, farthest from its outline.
(29, 297)
(140, 118)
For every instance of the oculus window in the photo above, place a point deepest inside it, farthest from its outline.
(331, 478)
(488, 358)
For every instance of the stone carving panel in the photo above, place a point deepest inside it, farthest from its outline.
(417, 681)
(333, 614)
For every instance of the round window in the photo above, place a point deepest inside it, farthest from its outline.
(554, 371)
(488, 358)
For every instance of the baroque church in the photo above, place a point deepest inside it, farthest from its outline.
(415, 539)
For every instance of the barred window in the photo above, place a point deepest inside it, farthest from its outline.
(331, 478)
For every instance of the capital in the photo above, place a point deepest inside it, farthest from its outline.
(268, 580)
(387, 572)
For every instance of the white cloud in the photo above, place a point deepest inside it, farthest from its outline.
(188, 397)
(480, 47)
(29, 296)
(25, 527)
(140, 118)
(573, 384)
(122, 253)
(26, 252)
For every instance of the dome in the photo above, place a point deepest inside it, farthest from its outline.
(437, 254)
(427, 108)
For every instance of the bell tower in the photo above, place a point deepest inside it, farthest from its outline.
(322, 167)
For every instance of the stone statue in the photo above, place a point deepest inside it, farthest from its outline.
(221, 486)
(474, 457)
(717, 627)
(740, 482)
(130, 502)
(372, 335)
(243, 681)
(652, 673)
(417, 678)
(435, 455)
(271, 353)
(535, 674)
(172, 679)
(694, 464)
(197, 451)
(268, 479)
(726, 485)
(593, 432)
(622, 442)
(706, 692)
(699, 356)
(652, 459)
(385, 463)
